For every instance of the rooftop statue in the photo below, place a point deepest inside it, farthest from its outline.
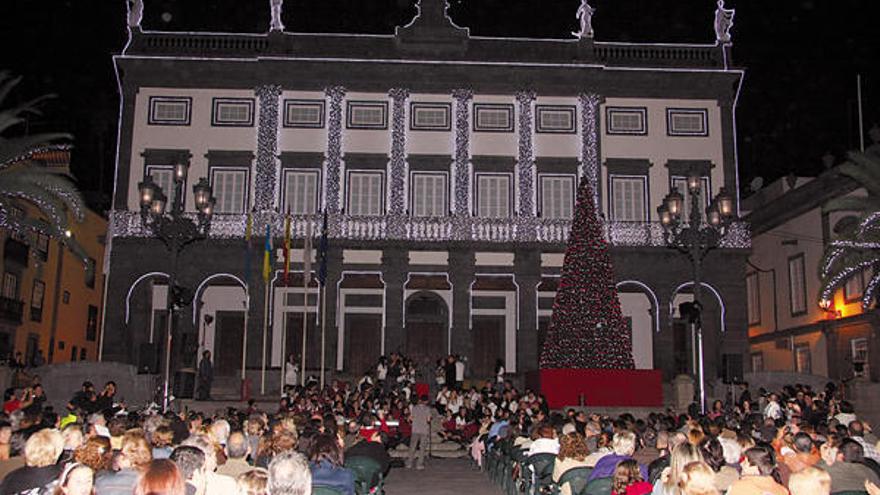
(585, 17)
(135, 13)
(275, 24)
(723, 23)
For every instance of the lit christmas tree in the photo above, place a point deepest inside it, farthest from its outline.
(587, 329)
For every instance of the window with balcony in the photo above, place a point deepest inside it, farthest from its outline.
(428, 194)
(628, 198)
(230, 187)
(797, 289)
(163, 176)
(37, 294)
(753, 298)
(557, 196)
(493, 195)
(680, 183)
(365, 193)
(301, 191)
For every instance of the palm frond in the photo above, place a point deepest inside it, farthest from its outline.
(864, 169)
(7, 84)
(16, 149)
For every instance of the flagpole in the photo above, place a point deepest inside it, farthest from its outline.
(305, 323)
(323, 326)
(265, 331)
(283, 350)
(247, 310)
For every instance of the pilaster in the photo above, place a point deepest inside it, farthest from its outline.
(333, 165)
(461, 274)
(527, 269)
(266, 176)
(395, 265)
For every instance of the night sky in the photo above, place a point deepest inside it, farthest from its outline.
(798, 101)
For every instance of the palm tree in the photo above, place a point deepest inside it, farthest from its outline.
(21, 179)
(857, 247)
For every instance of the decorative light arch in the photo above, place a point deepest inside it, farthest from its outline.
(651, 294)
(198, 291)
(711, 289)
(133, 285)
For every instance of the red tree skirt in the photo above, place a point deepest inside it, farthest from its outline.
(600, 387)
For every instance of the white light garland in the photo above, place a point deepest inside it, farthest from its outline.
(462, 172)
(265, 182)
(334, 149)
(526, 158)
(589, 103)
(397, 164)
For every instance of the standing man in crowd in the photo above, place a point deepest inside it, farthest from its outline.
(421, 433)
(206, 377)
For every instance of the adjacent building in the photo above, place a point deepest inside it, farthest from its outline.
(447, 165)
(789, 330)
(49, 302)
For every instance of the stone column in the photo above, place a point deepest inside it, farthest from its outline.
(461, 274)
(266, 176)
(589, 107)
(397, 166)
(333, 165)
(331, 333)
(527, 268)
(395, 264)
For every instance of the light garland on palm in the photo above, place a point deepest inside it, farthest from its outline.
(589, 103)
(834, 277)
(397, 165)
(265, 182)
(333, 173)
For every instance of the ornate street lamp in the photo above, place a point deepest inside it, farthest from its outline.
(695, 236)
(176, 229)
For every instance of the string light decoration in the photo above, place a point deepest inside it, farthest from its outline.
(265, 182)
(462, 150)
(397, 164)
(587, 328)
(333, 172)
(589, 103)
(526, 158)
(851, 254)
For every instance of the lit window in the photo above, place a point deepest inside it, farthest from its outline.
(365, 193)
(628, 198)
(797, 285)
(163, 176)
(494, 195)
(680, 183)
(428, 194)
(557, 197)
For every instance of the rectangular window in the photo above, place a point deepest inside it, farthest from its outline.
(42, 247)
(852, 289)
(753, 298)
(10, 285)
(493, 192)
(628, 198)
(90, 273)
(555, 119)
(802, 362)
(304, 113)
(166, 110)
(687, 122)
(230, 189)
(37, 295)
(493, 117)
(757, 362)
(797, 290)
(163, 176)
(680, 183)
(430, 116)
(626, 120)
(365, 193)
(233, 112)
(557, 196)
(301, 191)
(367, 115)
(82, 354)
(92, 324)
(428, 194)
(73, 353)
(859, 350)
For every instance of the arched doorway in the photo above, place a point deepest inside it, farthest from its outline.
(427, 326)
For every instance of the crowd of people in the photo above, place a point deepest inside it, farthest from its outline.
(796, 440)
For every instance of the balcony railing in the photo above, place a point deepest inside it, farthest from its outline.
(427, 229)
(11, 310)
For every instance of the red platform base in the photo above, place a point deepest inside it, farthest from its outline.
(599, 387)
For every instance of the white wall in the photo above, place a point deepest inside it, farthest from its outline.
(637, 306)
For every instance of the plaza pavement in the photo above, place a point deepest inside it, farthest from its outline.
(440, 477)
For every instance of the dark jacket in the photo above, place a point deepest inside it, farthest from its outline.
(121, 482)
(326, 474)
(373, 450)
(30, 480)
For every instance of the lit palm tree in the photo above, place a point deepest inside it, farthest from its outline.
(857, 247)
(21, 179)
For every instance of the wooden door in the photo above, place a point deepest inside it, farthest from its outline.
(362, 342)
(488, 335)
(228, 334)
(313, 340)
(425, 339)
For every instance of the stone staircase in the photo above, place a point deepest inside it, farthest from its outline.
(438, 447)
